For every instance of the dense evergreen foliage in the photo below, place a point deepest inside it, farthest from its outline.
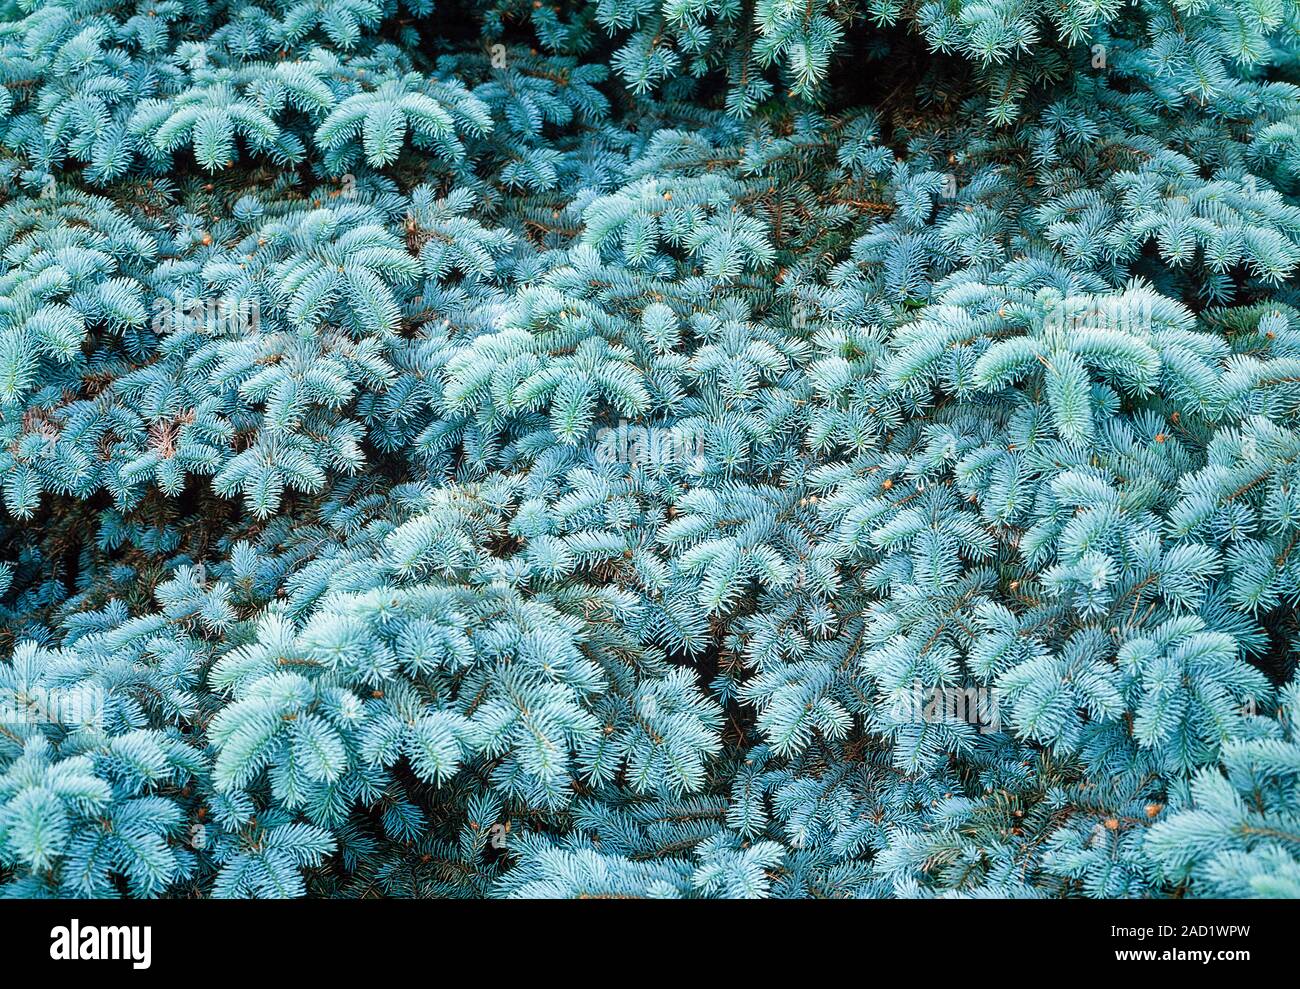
(649, 448)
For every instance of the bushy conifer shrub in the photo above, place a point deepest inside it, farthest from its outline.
(547, 448)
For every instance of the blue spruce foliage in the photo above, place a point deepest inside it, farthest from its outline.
(655, 449)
